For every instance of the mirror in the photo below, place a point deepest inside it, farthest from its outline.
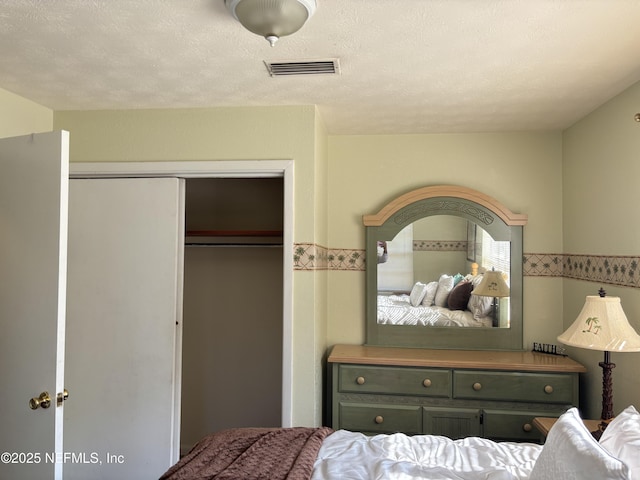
(425, 250)
(434, 231)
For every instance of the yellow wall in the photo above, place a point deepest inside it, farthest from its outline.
(19, 116)
(601, 170)
(229, 134)
(521, 170)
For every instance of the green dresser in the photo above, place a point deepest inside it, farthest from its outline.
(457, 393)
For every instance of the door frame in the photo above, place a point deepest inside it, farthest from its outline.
(221, 169)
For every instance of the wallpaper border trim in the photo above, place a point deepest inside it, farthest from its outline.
(311, 256)
(607, 269)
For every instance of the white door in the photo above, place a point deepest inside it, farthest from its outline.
(33, 228)
(126, 241)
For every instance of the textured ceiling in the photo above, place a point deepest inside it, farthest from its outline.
(407, 66)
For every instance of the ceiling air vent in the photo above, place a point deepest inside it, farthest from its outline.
(304, 67)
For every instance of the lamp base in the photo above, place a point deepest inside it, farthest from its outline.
(607, 387)
(598, 433)
(607, 395)
(601, 428)
(495, 311)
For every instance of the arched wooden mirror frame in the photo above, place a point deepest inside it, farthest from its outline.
(500, 222)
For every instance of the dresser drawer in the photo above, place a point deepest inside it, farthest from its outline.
(395, 380)
(451, 422)
(372, 418)
(513, 425)
(514, 386)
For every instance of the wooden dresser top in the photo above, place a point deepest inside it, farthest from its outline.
(477, 359)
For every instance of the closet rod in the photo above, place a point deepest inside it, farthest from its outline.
(233, 238)
(234, 233)
(244, 245)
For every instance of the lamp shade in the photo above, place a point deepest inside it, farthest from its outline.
(492, 285)
(602, 325)
(272, 19)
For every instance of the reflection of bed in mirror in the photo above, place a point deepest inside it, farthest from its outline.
(398, 310)
(414, 288)
(435, 232)
(446, 302)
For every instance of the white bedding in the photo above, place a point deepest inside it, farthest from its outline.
(355, 456)
(397, 310)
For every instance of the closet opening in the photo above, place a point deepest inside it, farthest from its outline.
(232, 338)
(233, 169)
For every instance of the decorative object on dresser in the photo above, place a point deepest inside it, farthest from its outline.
(455, 393)
(602, 325)
(548, 348)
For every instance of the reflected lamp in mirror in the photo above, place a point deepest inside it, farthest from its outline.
(602, 325)
(493, 285)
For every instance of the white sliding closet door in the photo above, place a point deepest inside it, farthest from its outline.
(126, 239)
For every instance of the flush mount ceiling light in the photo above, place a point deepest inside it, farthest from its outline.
(272, 19)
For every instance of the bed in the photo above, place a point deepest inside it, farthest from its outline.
(446, 302)
(298, 453)
(398, 310)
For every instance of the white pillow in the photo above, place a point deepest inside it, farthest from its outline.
(429, 298)
(418, 292)
(445, 285)
(622, 439)
(571, 453)
(479, 306)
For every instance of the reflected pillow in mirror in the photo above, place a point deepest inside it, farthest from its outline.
(460, 295)
(418, 292)
(445, 285)
(479, 306)
(430, 297)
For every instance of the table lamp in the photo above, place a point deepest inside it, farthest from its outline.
(493, 285)
(602, 325)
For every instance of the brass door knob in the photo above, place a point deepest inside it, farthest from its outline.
(43, 401)
(360, 380)
(477, 386)
(527, 427)
(426, 382)
(379, 419)
(548, 389)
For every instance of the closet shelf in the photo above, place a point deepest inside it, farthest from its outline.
(233, 237)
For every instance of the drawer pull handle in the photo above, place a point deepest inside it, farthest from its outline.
(426, 382)
(360, 380)
(527, 427)
(548, 389)
(477, 386)
(379, 419)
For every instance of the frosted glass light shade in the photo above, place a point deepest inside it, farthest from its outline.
(272, 19)
(602, 325)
